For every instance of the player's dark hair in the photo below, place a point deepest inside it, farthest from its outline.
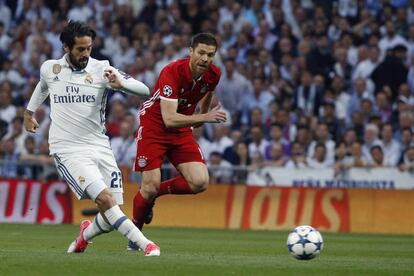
(75, 29)
(204, 38)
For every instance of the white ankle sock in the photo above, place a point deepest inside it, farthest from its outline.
(98, 226)
(124, 225)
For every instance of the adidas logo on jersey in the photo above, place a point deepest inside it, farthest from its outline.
(56, 78)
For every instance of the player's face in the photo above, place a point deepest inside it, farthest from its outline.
(200, 58)
(79, 54)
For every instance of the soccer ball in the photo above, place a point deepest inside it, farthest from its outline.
(304, 242)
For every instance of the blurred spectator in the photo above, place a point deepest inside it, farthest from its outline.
(407, 138)
(9, 167)
(230, 153)
(258, 143)
(205, 144)
(383, 107)
(358, 93)
(276, 156)
(112, 41)
(140, 71)
(80, 11)
(242, 162)
(322, 137)
(356, 158)
(341, 153)
(377, 157)
(340, 97)
(221, 139)
(407, 162)
(319, 158)
(276, 136)
(365, 67)
(371, 139)
(232, 88)
(391, 39)
(125, 56)
(341, 67)
(394, 62)
(308, 98)
(328, 117)
(390, 146)
(17, 134)
(7, 109)
(5, 39)
(297, 159)
(117, 112)
(220, 169)
(39, 10)
(258, 97)
(124, 146)
(10, 74)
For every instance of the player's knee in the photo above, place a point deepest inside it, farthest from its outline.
(199, 184)
(105, 200)
(149, 189)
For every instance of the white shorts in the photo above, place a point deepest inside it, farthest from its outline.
(89, 171)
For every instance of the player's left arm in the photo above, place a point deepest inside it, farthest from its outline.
(205, 105)
(206, 102)
(119, 80)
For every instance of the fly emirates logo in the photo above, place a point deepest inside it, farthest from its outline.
(73, 96)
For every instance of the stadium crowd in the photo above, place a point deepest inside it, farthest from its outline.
(306, 83)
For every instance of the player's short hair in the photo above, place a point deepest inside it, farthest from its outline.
(204, 38)
(75, 29)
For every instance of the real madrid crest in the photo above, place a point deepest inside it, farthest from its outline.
(81, 180)
(88, 79)
(56, 68)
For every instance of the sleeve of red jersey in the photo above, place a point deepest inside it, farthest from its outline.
(168, 84)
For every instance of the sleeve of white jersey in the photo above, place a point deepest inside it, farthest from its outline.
(41, 91)
(129, 84)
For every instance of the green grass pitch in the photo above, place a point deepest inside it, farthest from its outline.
(41, 250)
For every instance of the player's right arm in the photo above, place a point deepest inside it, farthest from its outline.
(173, 119)
(39, 95)
(168, 87)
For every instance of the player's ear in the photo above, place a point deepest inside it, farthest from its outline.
(191, 51)
(66, 48)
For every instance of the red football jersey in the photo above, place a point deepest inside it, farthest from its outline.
(175, 83)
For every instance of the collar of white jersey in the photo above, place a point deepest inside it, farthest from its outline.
(64, 62)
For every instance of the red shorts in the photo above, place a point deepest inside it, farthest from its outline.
(152, 146)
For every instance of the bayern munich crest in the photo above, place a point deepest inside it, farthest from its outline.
(167, 90)
(142, 161)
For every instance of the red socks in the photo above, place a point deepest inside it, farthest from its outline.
(177, 186)
(141, 207)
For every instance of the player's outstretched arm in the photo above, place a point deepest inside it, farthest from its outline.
(125, 83)
(39, 95)
(172, 119)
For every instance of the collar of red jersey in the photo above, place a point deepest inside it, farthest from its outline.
(64, 63)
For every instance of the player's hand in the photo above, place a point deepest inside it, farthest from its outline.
(30, 123)
(112, 79)
(215, 115)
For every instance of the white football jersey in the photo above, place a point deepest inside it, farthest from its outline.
(77, 101)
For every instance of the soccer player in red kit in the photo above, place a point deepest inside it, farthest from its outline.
(165, 126)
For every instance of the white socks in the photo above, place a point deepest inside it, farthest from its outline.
(98, 226)
(124, 225)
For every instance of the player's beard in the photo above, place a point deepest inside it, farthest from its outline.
(79, 65)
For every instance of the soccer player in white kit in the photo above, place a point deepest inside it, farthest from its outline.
(77, 86)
